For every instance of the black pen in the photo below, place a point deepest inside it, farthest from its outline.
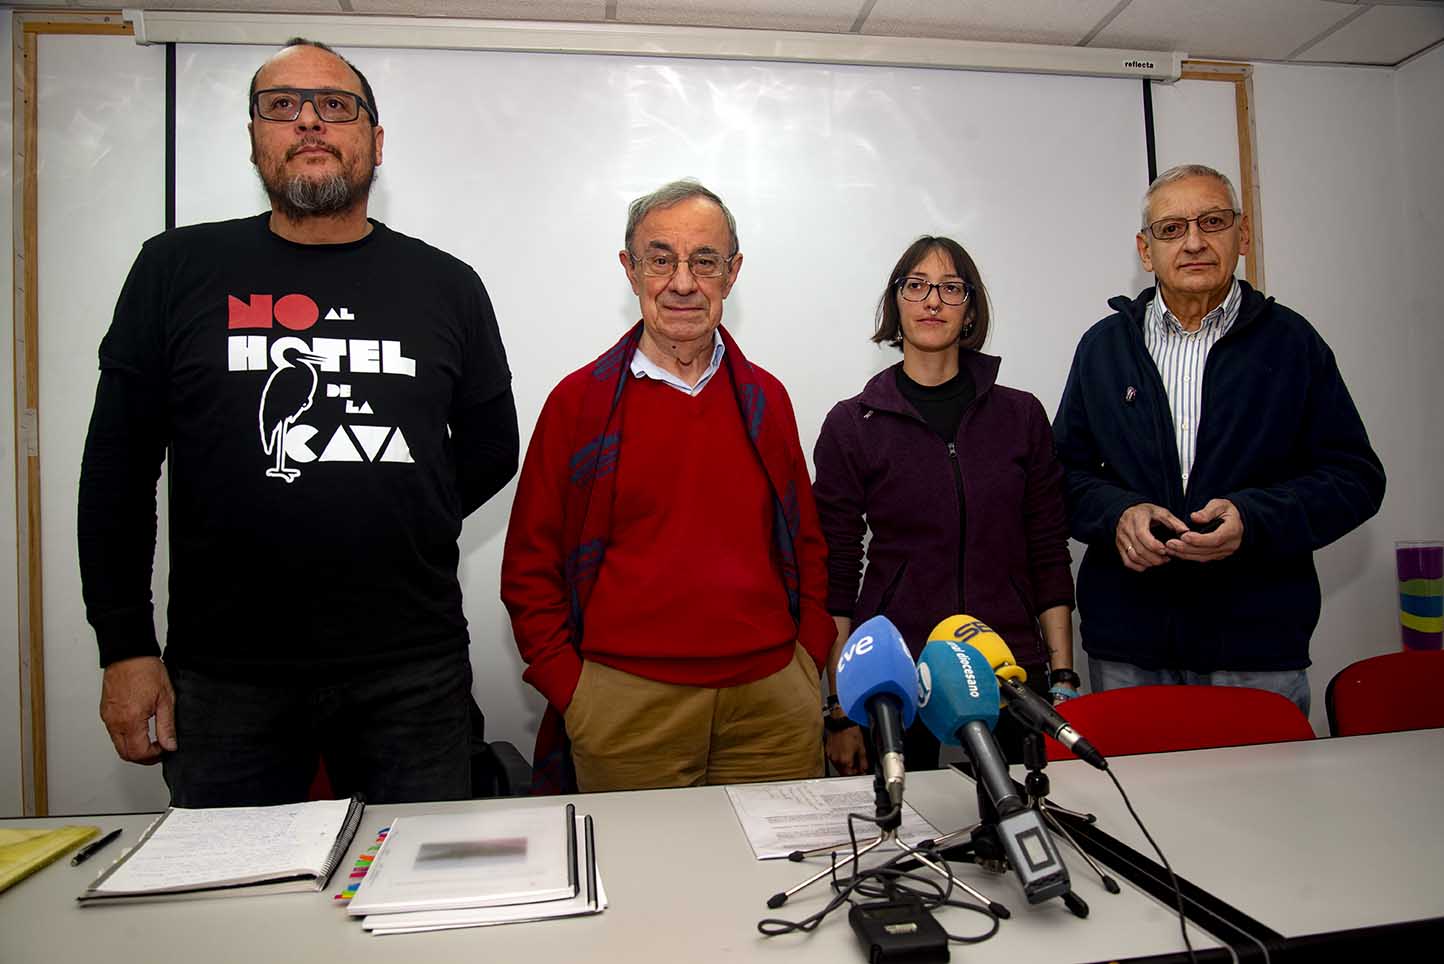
(90, 850)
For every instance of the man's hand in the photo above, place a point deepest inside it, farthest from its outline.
(1218, 544)
(845, 751)
(1137, 547)
(133, 691)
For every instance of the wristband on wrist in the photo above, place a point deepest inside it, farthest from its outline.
(1062, 694)
(1066, 677)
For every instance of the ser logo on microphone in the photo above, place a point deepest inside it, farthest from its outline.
(971, 630)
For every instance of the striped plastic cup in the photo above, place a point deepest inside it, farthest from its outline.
(1421, 594)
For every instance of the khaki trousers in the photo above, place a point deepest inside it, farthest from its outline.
(630, 733)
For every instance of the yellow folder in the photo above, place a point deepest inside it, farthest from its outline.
(22, 852)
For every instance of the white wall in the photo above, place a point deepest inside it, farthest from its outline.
(1420, 88)
(1195, 122)
(101, 149)
(1338, 167)
(11, 798)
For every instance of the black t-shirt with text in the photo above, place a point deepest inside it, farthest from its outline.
(303, 394)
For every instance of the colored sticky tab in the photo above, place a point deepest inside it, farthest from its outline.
(363, 864)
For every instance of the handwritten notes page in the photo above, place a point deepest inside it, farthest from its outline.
(230, 845)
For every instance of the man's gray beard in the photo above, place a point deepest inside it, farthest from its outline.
(302, 197)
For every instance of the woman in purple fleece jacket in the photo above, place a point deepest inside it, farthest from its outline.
(956, 477)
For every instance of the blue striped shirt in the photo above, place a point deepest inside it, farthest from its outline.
(1180, 356)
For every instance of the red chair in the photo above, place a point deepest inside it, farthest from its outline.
(1156, 719)
(1382, 694)
(320, 784)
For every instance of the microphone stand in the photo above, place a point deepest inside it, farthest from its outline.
(980, 842)
(889, 819)
(1035, 758)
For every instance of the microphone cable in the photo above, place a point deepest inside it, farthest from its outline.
(1177, 890)
(887, 882)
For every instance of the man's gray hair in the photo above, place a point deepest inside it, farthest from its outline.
(675, 193)
(1179, 173)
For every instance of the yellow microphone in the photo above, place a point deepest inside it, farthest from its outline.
(975, 632)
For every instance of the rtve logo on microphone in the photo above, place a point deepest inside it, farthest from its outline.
(860, 648)
(925, 684)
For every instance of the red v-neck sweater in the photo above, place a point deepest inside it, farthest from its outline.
(689, 591)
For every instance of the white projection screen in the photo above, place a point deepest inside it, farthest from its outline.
(522, 165)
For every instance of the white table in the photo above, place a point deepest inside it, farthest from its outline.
(1306, 837)
(682, 882)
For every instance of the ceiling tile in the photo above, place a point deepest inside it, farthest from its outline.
(566, 10)
(1383, 35)
(1223, 29)
(1008, 21)
(824, 16)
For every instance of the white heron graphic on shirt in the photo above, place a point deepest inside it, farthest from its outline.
(288, 393)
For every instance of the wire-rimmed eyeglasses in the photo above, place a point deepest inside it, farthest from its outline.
(1209, 222)
(949, 292)
(332, 106)
(663, 264)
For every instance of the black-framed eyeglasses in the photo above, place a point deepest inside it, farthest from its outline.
(1209, 222)
(949, 292)
(663, 264)
(332, 106)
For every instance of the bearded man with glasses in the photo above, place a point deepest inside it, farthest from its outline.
(1210, 446)
(331, 397)
(664, 568)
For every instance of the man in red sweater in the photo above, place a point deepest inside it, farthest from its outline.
(664, 568)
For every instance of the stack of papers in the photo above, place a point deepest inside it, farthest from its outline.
(444, 871)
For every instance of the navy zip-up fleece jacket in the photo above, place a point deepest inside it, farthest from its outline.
(880, 467)
(1279, 437)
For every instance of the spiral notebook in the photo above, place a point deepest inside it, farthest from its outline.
(231, 851)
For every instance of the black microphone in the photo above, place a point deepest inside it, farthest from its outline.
(1026, 706)
(1039, 714)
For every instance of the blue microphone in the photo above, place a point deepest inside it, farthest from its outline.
(958, 700)
(877, 684)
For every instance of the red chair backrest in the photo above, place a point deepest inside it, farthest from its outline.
(1156, 719)
(320, 784)
(1382, 694)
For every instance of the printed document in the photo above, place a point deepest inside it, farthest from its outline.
(779, 818)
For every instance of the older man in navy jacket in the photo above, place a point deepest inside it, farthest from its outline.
(1210, 446)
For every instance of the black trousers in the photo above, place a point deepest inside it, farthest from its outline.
(399, 734)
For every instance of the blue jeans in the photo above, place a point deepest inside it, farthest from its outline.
(1106, 674)
(396, 734)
